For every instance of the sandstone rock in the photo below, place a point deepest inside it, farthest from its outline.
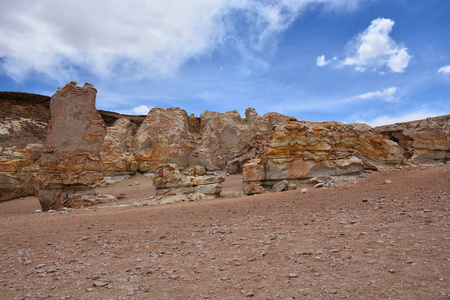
(253, 176)
(422, 141)
(302, 150)
(18, 169)
(280, 186)
(320, 179)
(172, 185)
(199, 170)
(166, 136)
(228, 141)
(252, 188)
(70, 165)
(116, 149)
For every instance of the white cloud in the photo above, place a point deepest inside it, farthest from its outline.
(388, 94)
(374, 49)
(141, 110)
(444, 69)
(137, 37)
(321, 61)
(387, 120)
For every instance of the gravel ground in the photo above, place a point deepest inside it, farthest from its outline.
(382, 236)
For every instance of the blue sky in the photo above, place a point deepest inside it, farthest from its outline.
(378, 62)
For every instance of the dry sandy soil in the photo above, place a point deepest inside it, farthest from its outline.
(363, 240)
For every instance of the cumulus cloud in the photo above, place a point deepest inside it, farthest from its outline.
(374, 49)
(321, 61)
(387, 120)
(137, 37)
(141, 110)
(388, 94)
(444, 69)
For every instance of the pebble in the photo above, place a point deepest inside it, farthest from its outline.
(304, 191)
(387, 182)
(99, 283)
(293, 275)
(40, 266)
(89, 290)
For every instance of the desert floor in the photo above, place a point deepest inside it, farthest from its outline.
(364, 239)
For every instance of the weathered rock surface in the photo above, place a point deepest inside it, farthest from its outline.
(173, 186)
(70, 165)
(18, 169)
(422, 141)
(23, 119)
(220, 141)
(228, 141)
(116, 149)
(253, 176)
(166, 136)
(300, 150)
(217, 141)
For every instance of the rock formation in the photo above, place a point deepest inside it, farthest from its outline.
(228, 141)
(423, 141)
(300, 150)
(216, 141)
(70, 165)
(173, 186)
(294, 151)
(18, 169)
(166, 136)
(116, 149)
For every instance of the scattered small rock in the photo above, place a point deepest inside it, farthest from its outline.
(319, 185)
(304, 191)
(99, 283)
(387, 181)
(40, 266)
(293, 275)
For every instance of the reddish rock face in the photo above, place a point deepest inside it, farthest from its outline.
(166, 136)
(116, 149)
(70, 164)
(300, 150)
(228, 141)
(18, 169)
(174, 186)
(423, 141)
(217, 141)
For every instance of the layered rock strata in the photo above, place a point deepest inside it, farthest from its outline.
(423, 141)
(70, 165)
(300, 150)
(173, 186)
(18, 169)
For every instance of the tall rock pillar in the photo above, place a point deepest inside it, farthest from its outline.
(70, 165)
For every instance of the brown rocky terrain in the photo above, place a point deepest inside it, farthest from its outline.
(364, 239)
(364, 212)
(293, 151)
